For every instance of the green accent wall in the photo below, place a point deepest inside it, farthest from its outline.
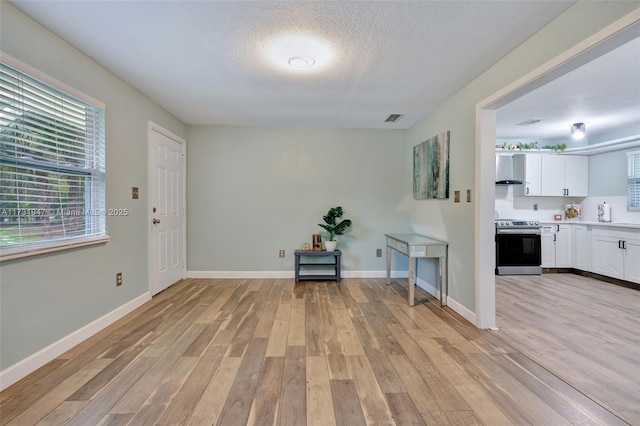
(252, 191)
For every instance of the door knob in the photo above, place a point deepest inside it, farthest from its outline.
(156, 221)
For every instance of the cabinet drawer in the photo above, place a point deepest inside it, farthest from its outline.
(401, 247)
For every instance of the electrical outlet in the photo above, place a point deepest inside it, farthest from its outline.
(118, 279)
(535, 207)
(378, 252)
(281, 253)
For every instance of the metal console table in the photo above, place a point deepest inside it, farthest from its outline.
(337, 254)
(415, 246)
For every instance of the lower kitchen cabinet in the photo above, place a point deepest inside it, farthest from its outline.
(556, 246)
(616, 253)
(581, 248)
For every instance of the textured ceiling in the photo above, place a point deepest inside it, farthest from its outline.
(206, 61)
(604, 94)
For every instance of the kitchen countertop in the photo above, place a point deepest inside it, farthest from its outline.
(593, 223)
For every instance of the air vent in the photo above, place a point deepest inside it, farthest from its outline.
(393, 118)
(529, 122)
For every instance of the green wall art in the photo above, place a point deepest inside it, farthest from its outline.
(431, 168)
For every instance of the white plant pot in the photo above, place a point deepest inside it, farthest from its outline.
(330, 245)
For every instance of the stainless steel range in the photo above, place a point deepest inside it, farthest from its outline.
(518, 248)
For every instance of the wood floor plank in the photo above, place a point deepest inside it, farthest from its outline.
(151, 410)
(280, 331)
(447, 396)
(374, 407)
(266, 404)
(319, 404)
(422, 396)
(297, 327)
(238, 404)
(184, 403)
(346, 403)
(293, 408)
(348, 334)
(57, 395)
(210, 406)
(143, 388)
(100, 405)
(404, 410)
(63, 413)
(265, 323)
(314, 339)
(335, 353)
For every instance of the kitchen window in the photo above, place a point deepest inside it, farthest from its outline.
(52, 164)
(633, 180)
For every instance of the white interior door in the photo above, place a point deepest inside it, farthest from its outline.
(166, 210)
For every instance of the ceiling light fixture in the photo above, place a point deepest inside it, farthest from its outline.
(298, 53)
(301, 61)
(578, 131)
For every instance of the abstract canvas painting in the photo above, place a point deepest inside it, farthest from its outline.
(431, 168)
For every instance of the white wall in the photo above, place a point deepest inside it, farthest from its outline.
(45, 298)
(254, 190)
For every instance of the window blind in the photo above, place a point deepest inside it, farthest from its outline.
(52, 164)
(633, 180)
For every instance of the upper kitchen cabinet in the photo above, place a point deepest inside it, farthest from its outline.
(564, 175)
(526, 167)
(551, 175)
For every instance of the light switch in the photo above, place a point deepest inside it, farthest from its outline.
(456, 196)
(134, 192)
(468, 195)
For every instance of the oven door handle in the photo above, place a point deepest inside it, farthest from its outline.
(518, 231)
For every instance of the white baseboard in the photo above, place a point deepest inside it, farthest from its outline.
(22, 368)
(451, 303)
(287, 274)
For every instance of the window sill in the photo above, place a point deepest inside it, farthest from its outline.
(27, 251)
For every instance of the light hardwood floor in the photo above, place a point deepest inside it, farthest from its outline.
(585, 331)
(235, 352)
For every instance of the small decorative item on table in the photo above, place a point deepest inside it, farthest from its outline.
(317, 242)
(305, 247)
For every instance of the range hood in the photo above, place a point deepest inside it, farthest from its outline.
(504, 171)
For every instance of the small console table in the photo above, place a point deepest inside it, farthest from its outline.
(415, 246)
(335, 266)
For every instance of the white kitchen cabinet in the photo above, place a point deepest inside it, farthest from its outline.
(632, 258)
(548, 248)
(581, 247)
(564, 175)
(526, 167)
(616, 253)
(556, 246)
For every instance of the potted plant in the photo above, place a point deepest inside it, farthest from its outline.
(334, 227)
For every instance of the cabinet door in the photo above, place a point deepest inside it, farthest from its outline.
(552, 175)
(526, 167)
(576, 175)
(632, 260)
(581, 248)
(607, 257)
(548, 248)
(563, 246)
(531, 182)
